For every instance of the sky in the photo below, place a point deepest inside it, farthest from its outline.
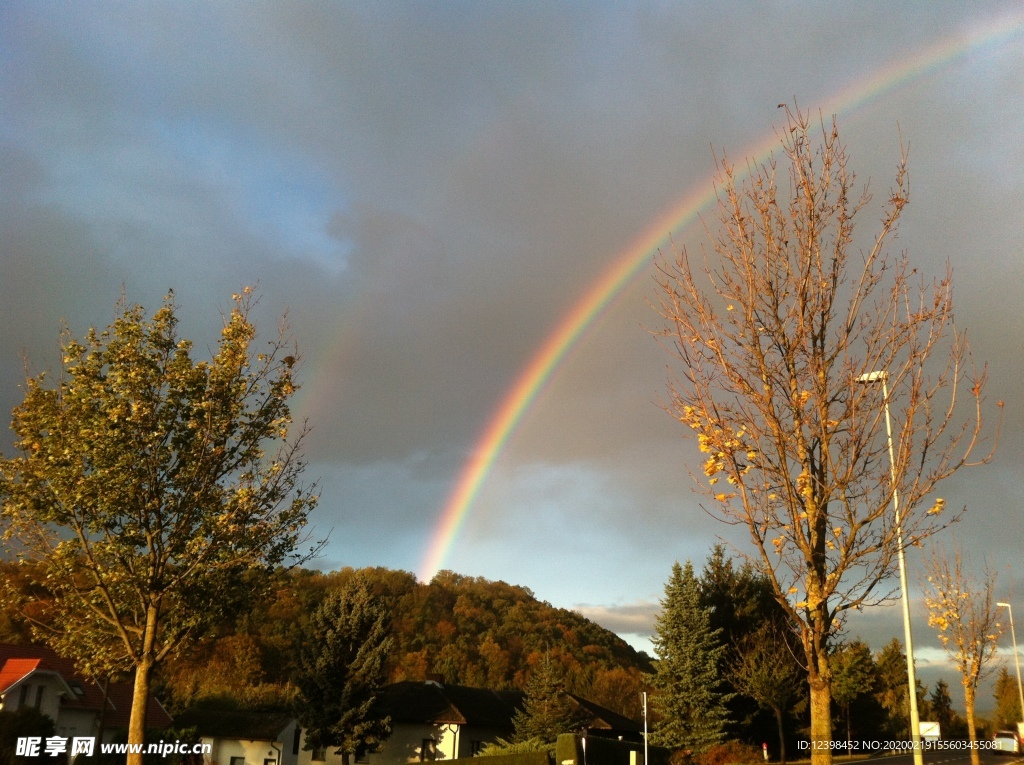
(458, 206)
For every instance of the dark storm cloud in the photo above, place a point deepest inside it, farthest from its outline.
(427, 189)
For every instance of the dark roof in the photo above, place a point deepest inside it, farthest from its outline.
(431, 702)
(245, 726)
(600, 718)
(119, 695)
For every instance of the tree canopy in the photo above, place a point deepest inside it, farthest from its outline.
(152, 492)
(341, 668)
(689, 699)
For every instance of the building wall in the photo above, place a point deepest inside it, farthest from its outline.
(49, 705)
(76, 722)
(253, 752)
(405, 745)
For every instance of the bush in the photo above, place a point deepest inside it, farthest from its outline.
(25, 721)
(730, 753)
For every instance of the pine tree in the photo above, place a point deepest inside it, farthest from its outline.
(547, 709)
(942, 710)
(853, 674)
(1007, 696)
(341, 668)
(688, 699)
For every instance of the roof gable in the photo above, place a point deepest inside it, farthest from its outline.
(118, 695)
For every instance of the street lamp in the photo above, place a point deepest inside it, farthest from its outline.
(1016, 660)
(882, 376)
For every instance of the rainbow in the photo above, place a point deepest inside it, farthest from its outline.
(629, 263)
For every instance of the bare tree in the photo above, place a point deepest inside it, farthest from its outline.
(773, 333)
(963, 611)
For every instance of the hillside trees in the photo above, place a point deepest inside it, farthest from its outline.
(471, 630)
(151, 492)
(772, 332)
(688, 699)
(341, 668)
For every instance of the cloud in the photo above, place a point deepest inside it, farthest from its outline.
(427, 190)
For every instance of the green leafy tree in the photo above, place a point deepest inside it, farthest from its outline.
(153, 491)
(1007, 697)
(891, 689)
(742, 604)
(773, 329)
(853, 674)
(764, 669)
(341, 669)
(688, 675)
(547, 709)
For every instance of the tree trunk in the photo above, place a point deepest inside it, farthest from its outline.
(821, 721)
(782, 736)
(972, 732)
(140, 693)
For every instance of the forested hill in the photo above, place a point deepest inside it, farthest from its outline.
(470, 631)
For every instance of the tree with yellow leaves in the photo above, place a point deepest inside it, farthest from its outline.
(773, 331)
(153, 492)
(962, 609)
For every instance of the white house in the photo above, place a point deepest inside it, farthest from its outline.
(36, 676)
(433, 721)
(244, 738)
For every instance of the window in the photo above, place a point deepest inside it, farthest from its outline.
(39, 696)
(237, 761)
(475, 747)
(298, 739)
(23, 701)
(428, 751)
(320, 755)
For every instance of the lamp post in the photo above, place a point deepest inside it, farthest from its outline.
(644, 695)
(1016, 660)
(882, 376)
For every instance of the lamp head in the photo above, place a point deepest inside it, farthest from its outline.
(878, 375)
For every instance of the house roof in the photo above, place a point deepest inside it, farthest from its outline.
(244, 726)
(85, 693)
(600, 718)
(15, 670)
(432, 702)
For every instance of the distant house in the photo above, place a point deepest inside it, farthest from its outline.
(437, 721)
(244, 738)
(35, 676)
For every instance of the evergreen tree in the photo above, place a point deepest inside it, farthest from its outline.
(942, 710)
(341, 667)
(1007, 696)
(853, 674)
(547, 709)
(891, 692)
(688, 699)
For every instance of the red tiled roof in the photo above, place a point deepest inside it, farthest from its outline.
(119, 695)
(15, 669)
